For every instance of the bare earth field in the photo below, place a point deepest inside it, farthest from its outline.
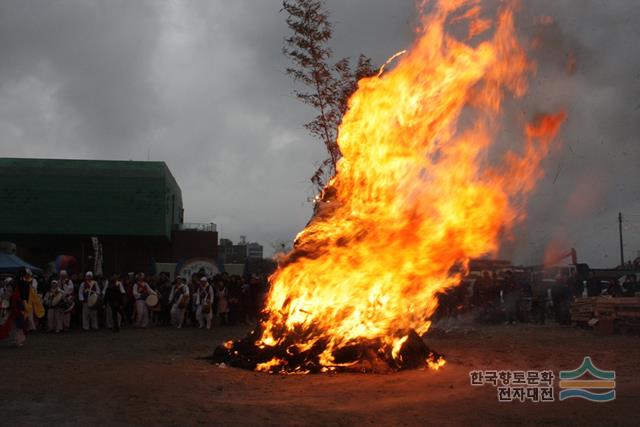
(156, 376)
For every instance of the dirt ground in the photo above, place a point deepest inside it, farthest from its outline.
(156, 376)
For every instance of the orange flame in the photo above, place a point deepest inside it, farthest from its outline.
(415, 196)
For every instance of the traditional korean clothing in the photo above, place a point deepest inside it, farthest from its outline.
(204, 302)
(55, 312)
(89, 314)
(141, 291)
(69, 301)
(179, 298)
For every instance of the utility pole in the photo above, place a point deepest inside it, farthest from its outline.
(620, 232)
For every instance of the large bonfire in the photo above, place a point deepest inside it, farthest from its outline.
(414, 198)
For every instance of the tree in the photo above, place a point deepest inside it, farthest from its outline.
(328, 86)
(348, 81)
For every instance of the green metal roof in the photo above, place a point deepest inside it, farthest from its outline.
(87, 197)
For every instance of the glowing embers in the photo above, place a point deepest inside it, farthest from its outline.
(288, 356)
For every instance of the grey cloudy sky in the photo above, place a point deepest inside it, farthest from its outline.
(201, 85)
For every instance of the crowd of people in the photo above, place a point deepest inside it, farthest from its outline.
(63, 302)
(527, 297)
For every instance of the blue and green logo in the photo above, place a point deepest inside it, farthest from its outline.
(571, 385)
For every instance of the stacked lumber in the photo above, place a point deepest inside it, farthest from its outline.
(624, 312)
(583, 309)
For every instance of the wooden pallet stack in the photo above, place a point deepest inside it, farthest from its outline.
(583, 310)
(623, 312)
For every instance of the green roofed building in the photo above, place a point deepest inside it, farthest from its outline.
(90, 197)
(52, 207)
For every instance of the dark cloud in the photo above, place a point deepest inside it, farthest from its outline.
(94, 60)
(201, 85)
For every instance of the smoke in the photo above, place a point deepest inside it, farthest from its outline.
(589, 66)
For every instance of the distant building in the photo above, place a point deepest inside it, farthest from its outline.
(231, 253)
(254, 251)
(55, 207)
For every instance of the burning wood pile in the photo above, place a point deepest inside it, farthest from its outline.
(364, 356)
(415, 197)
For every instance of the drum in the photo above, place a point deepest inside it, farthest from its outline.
(184, 301)
(92, 301)
(206, 308)
(152, 300)
(56, 299)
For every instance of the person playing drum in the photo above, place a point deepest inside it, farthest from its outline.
(204, 300)
(88, 296)
(55, 312)
(141, 290)
(69, 298)
(179, 298)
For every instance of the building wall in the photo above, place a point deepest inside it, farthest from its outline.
(53, 207)
(87, 197)
(187, 244)
(121, 254)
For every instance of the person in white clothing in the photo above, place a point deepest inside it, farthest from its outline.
(53, 303)
(179, 298)
(88, 288)
(69, 299)
(204, 301)
(141, 290)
